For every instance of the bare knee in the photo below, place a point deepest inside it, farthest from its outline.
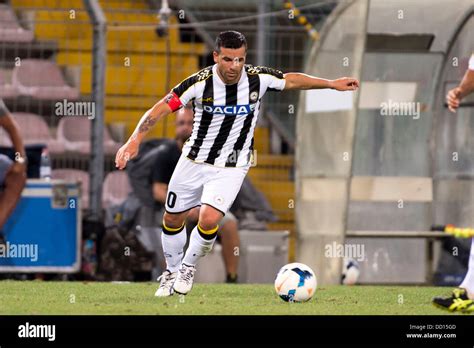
(174, 220)
(208, 219)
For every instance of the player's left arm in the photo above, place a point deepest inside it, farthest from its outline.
(303, 81)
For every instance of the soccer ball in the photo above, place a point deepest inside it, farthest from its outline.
(295, 282)
(350, 272)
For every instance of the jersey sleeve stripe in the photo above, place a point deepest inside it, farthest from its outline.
(180, 89)
(187, 83)
(263, 70)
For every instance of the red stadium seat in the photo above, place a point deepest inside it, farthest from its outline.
(115, 189)
(7, 90)
(42, 79)
(33, 130)
(75, 133)
(10, 29)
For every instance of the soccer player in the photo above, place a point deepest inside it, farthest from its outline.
(215, 159)
(166, 160)
(12, 173)
(462, 298)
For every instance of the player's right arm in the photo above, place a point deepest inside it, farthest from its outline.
(466, 87)
(179, 96)
(130, 149)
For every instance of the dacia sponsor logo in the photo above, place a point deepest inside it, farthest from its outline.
(230, 109)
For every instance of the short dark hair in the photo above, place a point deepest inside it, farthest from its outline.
(230, 39)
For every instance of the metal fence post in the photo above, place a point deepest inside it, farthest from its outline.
(99, 51)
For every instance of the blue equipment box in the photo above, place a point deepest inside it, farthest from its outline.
(44, 232)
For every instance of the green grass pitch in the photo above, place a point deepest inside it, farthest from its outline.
(47, 298)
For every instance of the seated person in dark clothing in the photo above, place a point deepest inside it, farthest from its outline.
(165, 163)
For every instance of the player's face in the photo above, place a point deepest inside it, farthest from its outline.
(230, 63)
(184, 124)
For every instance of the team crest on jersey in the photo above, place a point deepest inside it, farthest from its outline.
(254, 96)
(219, 200)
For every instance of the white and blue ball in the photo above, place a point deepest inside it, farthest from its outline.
(295, 282)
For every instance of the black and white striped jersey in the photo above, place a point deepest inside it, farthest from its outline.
(225, 116)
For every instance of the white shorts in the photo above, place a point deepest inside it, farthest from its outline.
(193, 184)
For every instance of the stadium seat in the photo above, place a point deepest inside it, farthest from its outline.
(75, 133)
(75, 175)
(42, 79)
(115, 189)
(10, 29)
(7, 90)
(33, 130)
